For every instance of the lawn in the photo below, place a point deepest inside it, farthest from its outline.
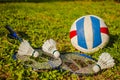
(37, 22)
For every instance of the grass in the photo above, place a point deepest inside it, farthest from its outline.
(37, 22)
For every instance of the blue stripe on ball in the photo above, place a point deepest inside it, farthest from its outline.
(96, 31)
(80, 33)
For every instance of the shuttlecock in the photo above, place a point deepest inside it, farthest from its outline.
(26, 49)
(105, 61)
(50, 47)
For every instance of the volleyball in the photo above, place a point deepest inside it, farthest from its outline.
(89, 33)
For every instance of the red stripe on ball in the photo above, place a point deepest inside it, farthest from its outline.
(104, 30)
(73, 33)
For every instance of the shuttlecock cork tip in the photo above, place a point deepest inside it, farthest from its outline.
(36, 54)
(56, 54)
(96, 68)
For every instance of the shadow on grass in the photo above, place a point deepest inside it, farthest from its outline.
(23, 35)
(113, 39)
